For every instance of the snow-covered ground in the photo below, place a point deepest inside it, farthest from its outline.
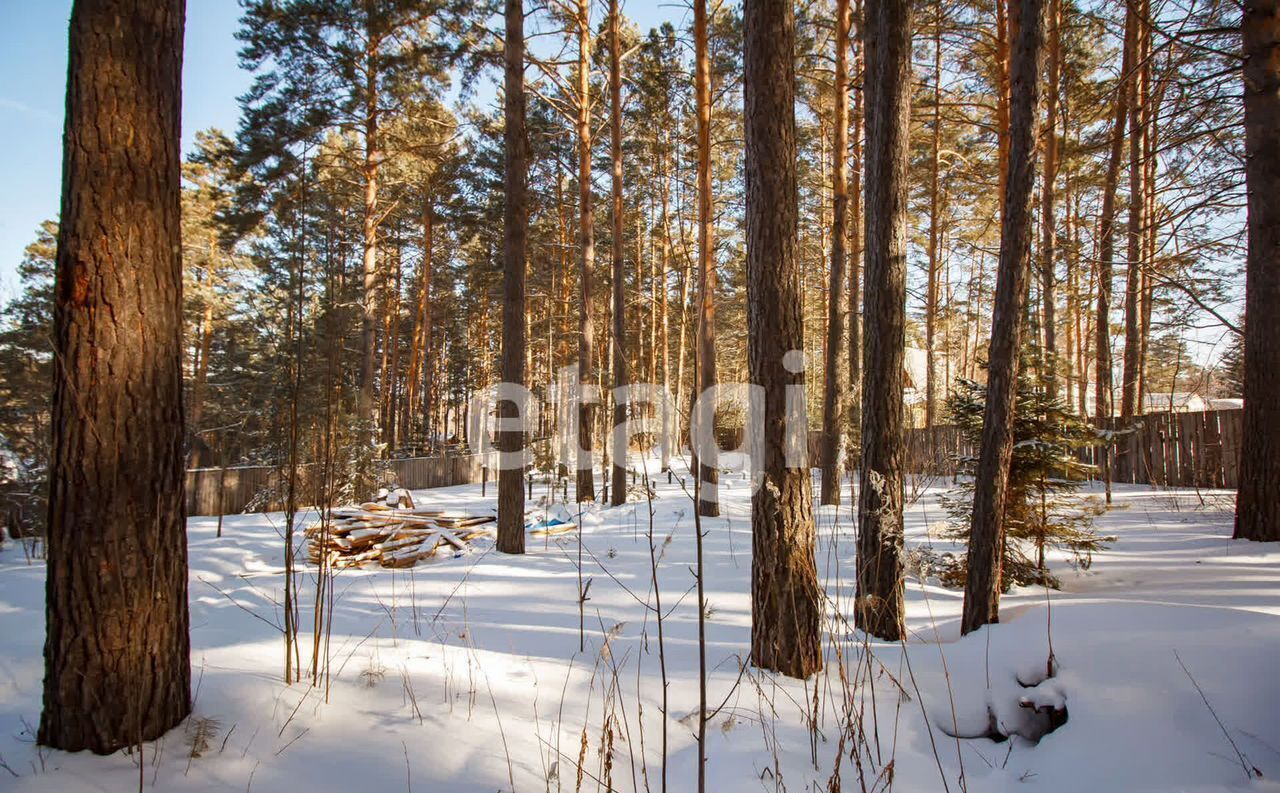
(465, 674)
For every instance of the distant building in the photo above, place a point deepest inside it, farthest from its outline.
(915, 377)
(1173, 402)
(1227, 403)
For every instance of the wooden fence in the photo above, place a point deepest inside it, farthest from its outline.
(261, 488)
(1195, 449)
(1198, 449)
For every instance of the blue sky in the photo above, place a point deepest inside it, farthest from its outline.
(33, 51)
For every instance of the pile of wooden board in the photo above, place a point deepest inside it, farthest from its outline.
(374, 532)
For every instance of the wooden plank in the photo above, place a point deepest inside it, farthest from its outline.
(1186, 432)
(1231, 423)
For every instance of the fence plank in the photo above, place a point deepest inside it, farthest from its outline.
(1197, 449)
(213, 491)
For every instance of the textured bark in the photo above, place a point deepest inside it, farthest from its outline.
(934, 263)
(515, 223)
(618, 485)
(1048, 221)
(835, 384)
(1136, 260)
(420, 347)
(1151, 136)
(1258, 499)
(785, 602)
(708, 464)
(1106, 235)
(117, 652)
(1004, 35)
(886, 39)
(391, 348)
(369, 231)
(855, 255)
(664, 300)
(986, 537)
(586, 487)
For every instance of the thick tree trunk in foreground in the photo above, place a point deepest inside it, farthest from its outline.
(708, 462)
(586, 487)
(886, 38)
(117, 653)
(1258, 500)
(515, 228)
(785, 602)
(986, 538)
(835, 384)
(618, 484)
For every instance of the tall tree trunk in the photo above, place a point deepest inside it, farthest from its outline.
(986, 538)
(785, 599)
(931, 279)
(1137, 225)
(618, 487)
(886, 39)
(515, 223)
(1258, 500)
(1004, 35)
(117, 650)
(391, 349)
(1150, 144)
(586, 488)
(664, 309)
(708, 462)
(855, 252)
(419, 350)
(835, 383)
(200, 385)
(1106, 232)
(1048, 223)
(369, 237)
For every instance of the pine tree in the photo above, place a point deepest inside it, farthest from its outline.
(785, 598)
(1258, 503)
(515, 232)
(981, 597)
(886, 38)
(26, 369)
(1042, 510)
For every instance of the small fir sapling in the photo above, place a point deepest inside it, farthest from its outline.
(1043, 508)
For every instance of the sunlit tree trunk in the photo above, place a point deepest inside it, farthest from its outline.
(986, 537)
(618, 487)
(855, 253)
(117, 650)
(934, 252)
(1106, 232)
(515, 223)
(1258, 500)
(708, 464)
(1136, 262)
(886, 39)
(586, 488)
(1048, 221)
(785, 598)
(369, 232)
(835, 384)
